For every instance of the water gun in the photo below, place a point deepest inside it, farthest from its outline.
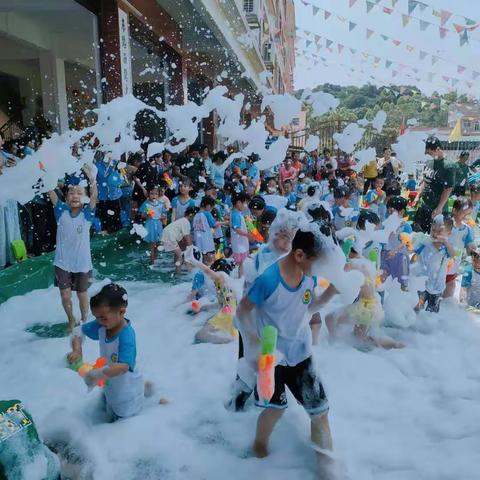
(347, 246)
(323, 283)
(266, 364)
(252, 230)
(82, 368)
(406, 239)
(151, 212)
(373, 257)
(168, 179)
(197, 305)
(470, 222)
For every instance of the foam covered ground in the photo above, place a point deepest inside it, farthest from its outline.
(395, 415)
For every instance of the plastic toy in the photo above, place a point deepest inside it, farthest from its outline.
(167, 178)
(406, 239)
(252, 230)
(197, 305)
(266, 364)
(151, 212)
(373, 257)
(347, 246)
(82, 368)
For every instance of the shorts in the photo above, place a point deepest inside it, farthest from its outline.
(77, 281)
(305, 385)
(432, 300)
(240, 257)
(451, 277)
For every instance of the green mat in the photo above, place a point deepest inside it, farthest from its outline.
(119, 257)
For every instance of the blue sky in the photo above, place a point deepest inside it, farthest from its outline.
(448, 50)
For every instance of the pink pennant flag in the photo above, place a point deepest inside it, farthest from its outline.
(445, 78)
(351, 3)
(461, 69)
(387, 10)
(369, 33)
(397, 42)
(459, 28)
(377, 59)
(317, 38)
(443, 32)
(327, 14)
(340, 48)
(444, 16)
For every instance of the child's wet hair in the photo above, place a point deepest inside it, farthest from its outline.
(307, 242)
(222, 265)
(111, 295)
(367, 216)
(462, 204)
(207, 202)
(191, 211)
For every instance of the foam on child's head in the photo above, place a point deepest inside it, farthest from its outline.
(439, 220)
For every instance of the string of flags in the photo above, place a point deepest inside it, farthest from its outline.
(443, 15)
(422, 53)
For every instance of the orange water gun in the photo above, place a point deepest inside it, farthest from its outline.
(266, 364)
(82, 368)
(252, 230)
(168, 179)
(406, 239)
(151, 212)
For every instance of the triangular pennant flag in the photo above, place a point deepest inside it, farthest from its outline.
(412, 4)
(342, 19)
(423, 54)
(365, 55)
(329, 43)
(315, 10)
(423, 104)
(351, 3)
(394, 2)
(377, 60)
(475, 75)
(415, 70)
(388, 63)
(317, 38)
(443, 32)
(353, 51)
(410, 48)
(469, 21)
(444, 16)
(384, 36)
(369, 33)
(351, 26)
(370, 5)
(423, 25)
(470, 84)
(474, 27)
(459, 28)
(435, 59)
(397, 42)
(436, 13)
(461, 69)
(454, 81)
(422, 6)
(305, 2)
(405, 19)
(464, 38)
(340, 48)
(308, 43)
(446, 78)
(326, 14)
(456, 133)
(387, 10)
(394, 73)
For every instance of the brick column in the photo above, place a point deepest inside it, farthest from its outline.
(110, 50)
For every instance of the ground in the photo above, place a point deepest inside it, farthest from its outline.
(408, 414)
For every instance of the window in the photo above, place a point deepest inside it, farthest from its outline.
(267, 52)
(248, 5)
(476, 126)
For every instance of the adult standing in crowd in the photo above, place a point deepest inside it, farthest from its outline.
(461, 174)
(436, 186)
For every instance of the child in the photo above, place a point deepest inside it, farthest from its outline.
(395, 257)
(475, 199)
(177, 236)
(182, 201)
(124, 388)
(343, 215)
(289, 194)
(153, 212)
(203, 222)
(432, 256)
(202, 285)
(240, 238)
(471, 283)
(73, 259)
(411, 184)
(461, 237)
(375, 198)
(282, 296)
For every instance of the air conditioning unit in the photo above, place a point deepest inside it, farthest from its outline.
(251, 8)
(267, 54)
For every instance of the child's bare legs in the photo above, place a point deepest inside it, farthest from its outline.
(66, 296)
(84, 305)
(315, 325)
(265, 424)
(361, 332)
(322, 438)
(178, 260)
(334, 320)
(449, 289)
(153, 253)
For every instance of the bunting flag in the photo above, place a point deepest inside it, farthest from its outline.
(369, 33)
(370, 5)
(423, 54)
(388, 63)
(329, 43)
(326, 14)
(444, 16)
(384, 37)
(305, 2)
(412, 5)
(464, 38)
(317, 38)
(340, 48)
(341, 19)
(475, 75)
(351, 26)
(410, 48)
(461, 69)
(469, 84)
(387, 10)
(397, 42)
(353, 51)
(394, 2)
(424, 25)
(351, 3)
(315, 10)
(458, 28)
(443, 32)
(377, 60)
(447, 79)
(435, 59)
(308, 43)
(405, 19)
(469, 21)
(394, 73)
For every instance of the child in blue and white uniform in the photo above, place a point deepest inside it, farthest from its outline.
(239, 236)
(182, 201)
(203, 223)
(343, 214)
(124, 388)
(471, 282)
(153, 212)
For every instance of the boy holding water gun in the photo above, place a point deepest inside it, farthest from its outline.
(282, 296)
(124, 388)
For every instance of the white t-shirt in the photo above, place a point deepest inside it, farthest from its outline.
(178, 229)
(72, 252)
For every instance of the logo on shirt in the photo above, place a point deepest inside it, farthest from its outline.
(114, 357)
(80, 229)
(307, 296)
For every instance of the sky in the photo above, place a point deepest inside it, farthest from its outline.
(337, 67)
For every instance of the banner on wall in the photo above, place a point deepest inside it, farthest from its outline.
(125, 55)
